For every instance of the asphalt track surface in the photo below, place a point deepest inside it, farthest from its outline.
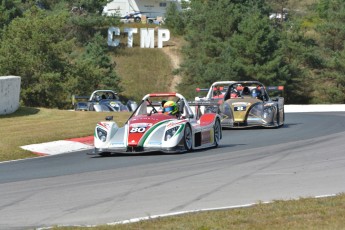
(305, 158)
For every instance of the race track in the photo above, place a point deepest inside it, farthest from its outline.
(304, 158)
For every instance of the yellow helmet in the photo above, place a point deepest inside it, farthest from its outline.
(170, 107)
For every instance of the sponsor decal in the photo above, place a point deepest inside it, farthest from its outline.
(142, 118)
(240, 103)
(240, 108)
(137, 130)
(141, 125)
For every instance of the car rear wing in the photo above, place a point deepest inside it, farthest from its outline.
(74, 97)
(275, 88)
(200, 107)
(216, 92)
(214, 88)
(201, 90)
(275, 92)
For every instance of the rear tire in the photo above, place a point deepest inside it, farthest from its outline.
(188, 138)
(217, 131)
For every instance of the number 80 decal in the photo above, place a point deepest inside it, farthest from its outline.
(137, 130)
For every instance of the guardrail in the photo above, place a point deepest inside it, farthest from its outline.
(9, 94)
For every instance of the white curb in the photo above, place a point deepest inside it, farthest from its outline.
(56, 147)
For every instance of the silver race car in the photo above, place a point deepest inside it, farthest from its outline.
(102, 101)
(246, 104)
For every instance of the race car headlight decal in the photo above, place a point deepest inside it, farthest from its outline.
(170, 133)
(102, 134)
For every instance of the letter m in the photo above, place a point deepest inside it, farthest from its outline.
(147, 38)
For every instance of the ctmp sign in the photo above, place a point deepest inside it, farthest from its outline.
(147, 37)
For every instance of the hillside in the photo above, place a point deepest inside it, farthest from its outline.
(66, 52)
(149, 70)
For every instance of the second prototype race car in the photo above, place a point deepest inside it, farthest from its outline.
(246, 104)
(163, 122)
(102, 101)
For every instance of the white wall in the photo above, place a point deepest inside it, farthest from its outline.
(314, 108)
(9, 94)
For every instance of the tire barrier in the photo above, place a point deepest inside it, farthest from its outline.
(9, 94)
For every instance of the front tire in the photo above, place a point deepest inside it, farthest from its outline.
(279, 122)
(188, 138)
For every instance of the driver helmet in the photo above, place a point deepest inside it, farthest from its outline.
(255, 93)
(170, 108)
(234, 93)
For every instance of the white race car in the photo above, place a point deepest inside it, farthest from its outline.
(151, 128)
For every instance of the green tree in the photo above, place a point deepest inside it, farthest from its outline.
(93, 69)
(331, 32)
(231, 41)
(41, 47)
(303, 59)
(175, 20)
(34, 47)
(8, 11)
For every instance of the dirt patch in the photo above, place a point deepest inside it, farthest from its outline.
(173, 49)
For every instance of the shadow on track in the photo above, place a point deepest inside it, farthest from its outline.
(161, 153)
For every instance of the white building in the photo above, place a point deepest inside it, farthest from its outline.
(136, 8)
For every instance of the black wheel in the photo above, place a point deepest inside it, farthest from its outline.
(278, 118)
(188, 138)
(217, 131)
(282, 124)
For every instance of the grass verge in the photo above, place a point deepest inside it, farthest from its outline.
(305, 213)
(37, 125)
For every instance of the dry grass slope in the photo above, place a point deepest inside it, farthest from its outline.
(145, 70)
